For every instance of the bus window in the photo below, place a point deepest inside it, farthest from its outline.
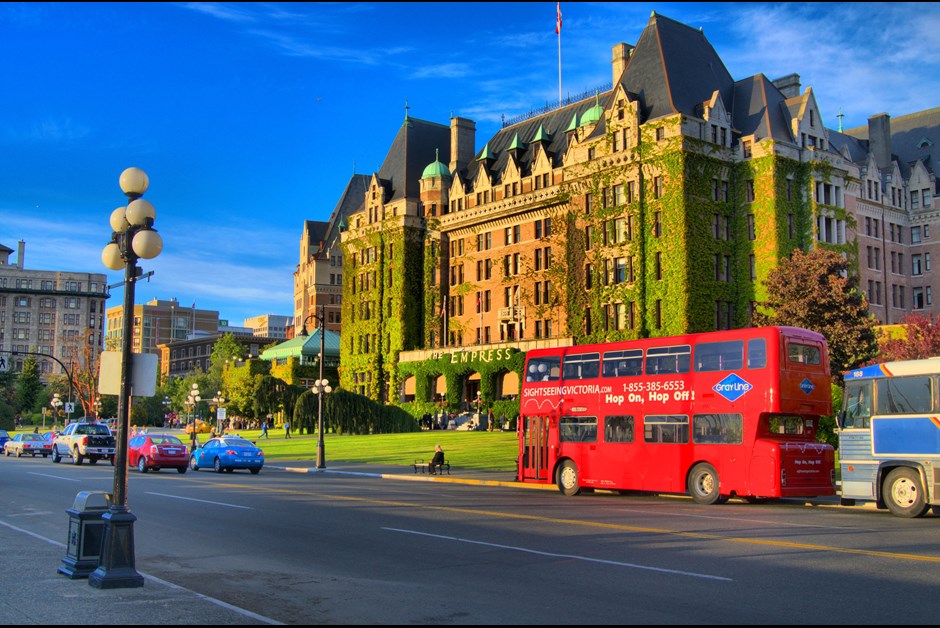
(618, 429)
(725, 429)
(581, 366)
(719, 356)
(903, 395)
(623, 363)
(857, 405)
(756, 353)
(668, 360)
(803, 354)
(673, 428)
(790, 425)
(543, 369)
(577, 429)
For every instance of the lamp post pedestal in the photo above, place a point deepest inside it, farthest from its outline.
(117, 569)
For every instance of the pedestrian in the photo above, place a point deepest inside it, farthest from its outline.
(286, 429)
(264, 429)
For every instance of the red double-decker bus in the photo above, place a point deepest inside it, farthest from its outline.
(717, 415)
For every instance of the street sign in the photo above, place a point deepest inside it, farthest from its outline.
(4, 364)
(69, 407)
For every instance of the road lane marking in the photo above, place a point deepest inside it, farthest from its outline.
(704, 536)
(211, 600)
(526, 550)
(57, 477)
(201, 501)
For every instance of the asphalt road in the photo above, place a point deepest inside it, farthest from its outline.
(335, 548)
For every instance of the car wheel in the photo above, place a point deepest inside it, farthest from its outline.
(142, 464)
(45, 455)
(77, 458)
(192, 464)
(93, 460)
(181, 469)
(217, 465)
(255, 471)
(56, 458)
(112, 459)
(19, 454)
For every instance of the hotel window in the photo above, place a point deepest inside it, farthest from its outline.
(915, 235)
(657, 225)
(657, 187)
(749, 191)
(620, 196)
(660, 134)
(747, 148)
(751, 234)
(916, 265)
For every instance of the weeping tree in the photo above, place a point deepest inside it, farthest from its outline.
(348, 413)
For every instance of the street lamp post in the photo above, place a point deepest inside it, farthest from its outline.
(320, 386)
(219, 411)
(132, 238)
(56, 403)
(192, 400)
(166, 411)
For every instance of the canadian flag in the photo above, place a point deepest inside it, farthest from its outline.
(558, 19)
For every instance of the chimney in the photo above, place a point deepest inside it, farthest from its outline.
(462, 143)
(789, 85)
(879, 139)
(20, 254)
(621, 54)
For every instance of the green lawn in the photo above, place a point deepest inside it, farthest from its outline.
(492, 451)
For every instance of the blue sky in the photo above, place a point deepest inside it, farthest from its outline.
(250, 118)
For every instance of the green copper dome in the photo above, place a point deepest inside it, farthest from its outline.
(436, 169)
(593, 115)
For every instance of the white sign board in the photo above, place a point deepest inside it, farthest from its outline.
(220, 414)
(143, 374)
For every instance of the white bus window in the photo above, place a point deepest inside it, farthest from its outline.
(577, 429)
(543, 369)
(672, 428)
(857, 405)
(903, 395)
(618, 429)
(623, 363)
(724, 429)
(581, 366)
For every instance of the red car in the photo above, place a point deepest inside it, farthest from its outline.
(156, 451)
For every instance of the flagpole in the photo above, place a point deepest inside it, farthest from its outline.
(558, 30)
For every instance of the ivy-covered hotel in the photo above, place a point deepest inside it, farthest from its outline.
(654, 206)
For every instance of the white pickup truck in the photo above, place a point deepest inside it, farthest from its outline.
(84, 440)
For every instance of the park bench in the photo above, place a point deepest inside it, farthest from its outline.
(422, 466)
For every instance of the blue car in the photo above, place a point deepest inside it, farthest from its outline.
(228, 453)
(4, 437)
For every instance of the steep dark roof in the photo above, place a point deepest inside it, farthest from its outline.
(350, 202)
(673, 69)
(760, 109)
(914, 137)
(412, 150)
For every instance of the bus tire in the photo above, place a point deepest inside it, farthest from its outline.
(568, 479)
(903, 493)
(704, 485)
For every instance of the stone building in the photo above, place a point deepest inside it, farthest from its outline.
(55, 313)
(656, 205)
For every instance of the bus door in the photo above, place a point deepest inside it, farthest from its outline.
(535, 449)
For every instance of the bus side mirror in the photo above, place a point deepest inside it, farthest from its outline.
(840, 419)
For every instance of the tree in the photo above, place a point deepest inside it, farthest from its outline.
(225, 349)
(84, 360)
(28, 385)
(918, 338)
(816, 291)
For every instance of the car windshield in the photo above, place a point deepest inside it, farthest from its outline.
(238, 442)
(166, 440)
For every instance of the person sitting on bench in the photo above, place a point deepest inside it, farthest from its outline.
(437, 460)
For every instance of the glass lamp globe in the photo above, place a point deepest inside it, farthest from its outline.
(147, 244)
(134, 182)
(139, 210)
(118, 220)
(111, 257)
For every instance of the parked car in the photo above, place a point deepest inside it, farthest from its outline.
(27, 444)
(228, 453)
(156, 451)
(4, 437)
(201, 427)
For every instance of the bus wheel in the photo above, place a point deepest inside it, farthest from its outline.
(903, 493)
(568, 479)
(703, 484)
